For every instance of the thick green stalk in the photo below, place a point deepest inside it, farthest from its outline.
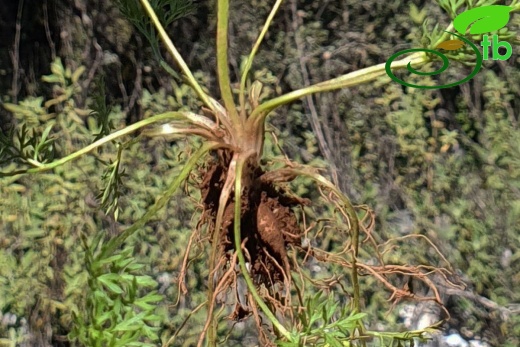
(223, 64)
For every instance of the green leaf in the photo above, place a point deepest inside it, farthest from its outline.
(105, 280)
(131, 324)
(152, 297)
(101, 297)
(357, 316)
(57, 67)
(46, 133)
(486, 19)
(134, 267)
(146, 281)
(132, 290)
(76, 75)
(51, 79)
(144, 305)
(123, 263)
(108, 260)
(111, 277)
(117, 307)
(333, 342)
(100, 320)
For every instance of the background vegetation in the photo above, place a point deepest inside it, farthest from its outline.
(442, 163)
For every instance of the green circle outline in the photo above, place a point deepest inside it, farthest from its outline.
(445, 64)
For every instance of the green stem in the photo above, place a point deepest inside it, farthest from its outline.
(176, 56)
(351, 79)
(125, 131)
(170, 70)
(444, 36)
(116, 242)
(238, 245)
(222, 62)
(249, 61)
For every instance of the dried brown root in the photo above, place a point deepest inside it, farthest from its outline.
(268, 222)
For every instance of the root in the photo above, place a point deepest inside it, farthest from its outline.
(267, 220)
(269, 228)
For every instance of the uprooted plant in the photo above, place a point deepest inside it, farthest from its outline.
(252, 220)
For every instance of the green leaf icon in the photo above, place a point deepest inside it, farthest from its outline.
(486, 19)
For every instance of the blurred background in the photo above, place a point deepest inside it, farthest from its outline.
(443, 163)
